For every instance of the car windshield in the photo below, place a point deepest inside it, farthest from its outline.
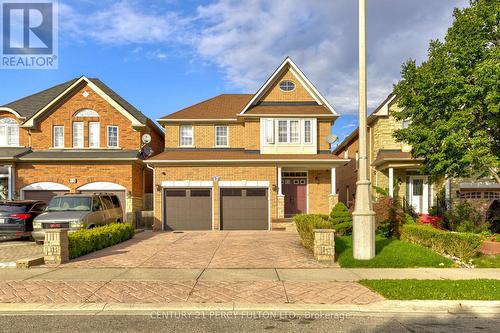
(59, 204)
(12, 208)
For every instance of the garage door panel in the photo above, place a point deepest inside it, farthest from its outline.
(42, 195)
(244, 209)
(188, 209)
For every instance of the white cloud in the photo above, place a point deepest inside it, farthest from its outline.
(246, 40)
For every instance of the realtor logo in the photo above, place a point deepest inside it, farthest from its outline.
(29, 34)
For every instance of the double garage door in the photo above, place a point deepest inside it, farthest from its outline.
(240, 209)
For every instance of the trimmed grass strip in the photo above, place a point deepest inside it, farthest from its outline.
(480, 289)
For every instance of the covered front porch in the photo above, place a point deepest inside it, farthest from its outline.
(400, 174)
(305, 189)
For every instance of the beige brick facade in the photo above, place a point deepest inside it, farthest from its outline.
(275, 94)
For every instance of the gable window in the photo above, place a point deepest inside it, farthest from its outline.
(186, 133)
(58, 137)
(287, 85)
(9, 132)
(94, 134)
(86, 113)
(112, 136)
(307, 131)
(78, 134)
(221, 136)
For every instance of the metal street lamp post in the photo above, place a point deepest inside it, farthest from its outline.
(363, 215)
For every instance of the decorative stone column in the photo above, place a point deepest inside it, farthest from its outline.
(333, 199)
(56, 246)
(324, 244)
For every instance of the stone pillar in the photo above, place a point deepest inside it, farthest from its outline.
(281, 206)
(324, 244)
(333, 199)
(56, 246)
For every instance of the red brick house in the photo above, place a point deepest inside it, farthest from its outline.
(76, 136)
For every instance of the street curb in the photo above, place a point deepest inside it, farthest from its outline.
(484, 309)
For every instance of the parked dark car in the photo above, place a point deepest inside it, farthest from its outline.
(16, 217)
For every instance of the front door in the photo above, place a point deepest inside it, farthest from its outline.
(295, 191)
(419, 191)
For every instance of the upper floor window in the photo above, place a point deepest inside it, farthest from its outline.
(77, 134)
(86, 113)
(186, 135)
(269, 130)
(9, 132)
(307, 131)
(288, 131)
(113, 137)
(221, 136)
(94, 134)
(287, 85)
(58, 137)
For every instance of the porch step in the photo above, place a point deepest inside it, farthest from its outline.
(283, 224)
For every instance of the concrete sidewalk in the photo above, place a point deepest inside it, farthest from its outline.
(266, 274)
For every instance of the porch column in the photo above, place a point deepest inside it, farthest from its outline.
(333, 198)
(280, 197)
(391, 182)
(11, 183)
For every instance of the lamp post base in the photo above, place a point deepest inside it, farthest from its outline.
(363, 235)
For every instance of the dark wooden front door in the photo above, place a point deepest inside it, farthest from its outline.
(295, 191)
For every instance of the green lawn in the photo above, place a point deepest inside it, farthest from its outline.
(487, 261)
(436, 289)
(390, 253)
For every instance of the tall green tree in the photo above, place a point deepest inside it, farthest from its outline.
(453, 98)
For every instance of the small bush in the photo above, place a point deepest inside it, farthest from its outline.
(341, 219)
(464, 217)
(89, 240)
(461, 245)
(306, 223)
(409, 219)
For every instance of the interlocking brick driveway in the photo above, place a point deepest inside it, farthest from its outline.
(197, 249)
(186, 291)
(11, 251)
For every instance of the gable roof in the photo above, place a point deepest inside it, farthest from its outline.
(380, 111)
(224, 107)
(34, 105)
(285, 65)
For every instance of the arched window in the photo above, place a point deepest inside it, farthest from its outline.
(86, 113)
(9, 132)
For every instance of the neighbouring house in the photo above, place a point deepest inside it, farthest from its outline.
(392, 166)
(243, 161)
(78, 136)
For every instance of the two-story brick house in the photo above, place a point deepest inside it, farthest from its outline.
(77, 136)
(392, 166)
(241, 161)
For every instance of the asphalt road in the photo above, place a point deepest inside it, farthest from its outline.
(83, 323)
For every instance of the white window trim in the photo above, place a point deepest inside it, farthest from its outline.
(289, 132)
(86, 113)
(98, 134)
(266, 131)
(73, 134)
(180, 136)
(117, 136)
(54, 136)
(310, 131)
(227, 136)
(8, 124)
(287, 80)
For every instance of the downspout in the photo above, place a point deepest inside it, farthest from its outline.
(154, 192)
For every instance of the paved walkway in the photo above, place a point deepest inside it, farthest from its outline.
(12, 250)
(205, 249)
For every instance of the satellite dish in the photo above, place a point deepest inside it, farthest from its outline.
(331, 138)
(146, 138)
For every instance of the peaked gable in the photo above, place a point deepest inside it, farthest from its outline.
(304, 90)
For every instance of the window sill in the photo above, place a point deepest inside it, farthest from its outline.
(85, 148)
(222, 146)
(186, 146)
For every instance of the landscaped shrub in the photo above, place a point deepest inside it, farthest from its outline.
(341, 219)
(409, 219)
(464, 217)
(461, 245)
(89, 240)
(306, 223)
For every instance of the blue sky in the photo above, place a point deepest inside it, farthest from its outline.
(162, 55)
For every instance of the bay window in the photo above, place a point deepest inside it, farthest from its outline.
(282, 131)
